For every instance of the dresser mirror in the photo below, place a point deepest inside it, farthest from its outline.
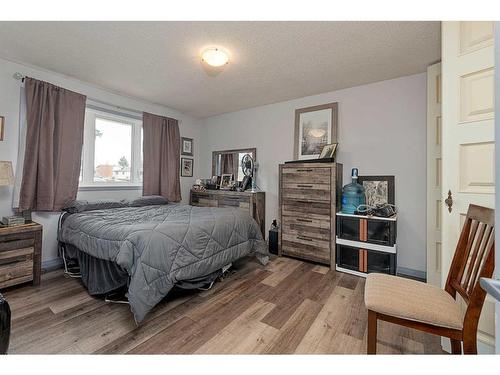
(229, 162)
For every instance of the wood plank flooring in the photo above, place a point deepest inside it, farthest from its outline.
(285, 307)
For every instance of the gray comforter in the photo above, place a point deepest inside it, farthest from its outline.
(161, 245)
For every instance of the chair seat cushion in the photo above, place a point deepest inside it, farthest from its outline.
(411, 300)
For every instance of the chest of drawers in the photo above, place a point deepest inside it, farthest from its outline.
(309, 197)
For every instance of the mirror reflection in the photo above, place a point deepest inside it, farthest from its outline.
(229, 162)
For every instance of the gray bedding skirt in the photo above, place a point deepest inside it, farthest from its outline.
(103, 276)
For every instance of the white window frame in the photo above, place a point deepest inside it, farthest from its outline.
(88, 151)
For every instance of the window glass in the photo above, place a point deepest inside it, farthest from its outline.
(112, 151)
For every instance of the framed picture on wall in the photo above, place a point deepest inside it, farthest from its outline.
(187, 167)
(187, 146)
(2, 125)
(378, 189)
(315, 127)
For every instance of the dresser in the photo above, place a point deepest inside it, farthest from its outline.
(20, 254)
(253, 203)
(309, 197)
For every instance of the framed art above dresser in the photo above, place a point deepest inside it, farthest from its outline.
(309, 198)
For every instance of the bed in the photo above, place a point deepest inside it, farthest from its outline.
(155, 247)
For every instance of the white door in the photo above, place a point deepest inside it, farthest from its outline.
(434, 185)
(468, 148)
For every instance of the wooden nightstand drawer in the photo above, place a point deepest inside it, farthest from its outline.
(13, 244)
(16, 265)
(16, 273)
(20, 254)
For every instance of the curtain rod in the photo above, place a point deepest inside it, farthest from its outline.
(21, 77)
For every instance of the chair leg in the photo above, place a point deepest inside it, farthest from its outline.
(372, 332)
(470, 344)
(456, 346)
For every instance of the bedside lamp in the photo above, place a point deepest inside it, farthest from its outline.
(6, 173)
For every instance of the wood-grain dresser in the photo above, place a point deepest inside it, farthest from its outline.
(309, 197)
(20, 254)
(253, 203)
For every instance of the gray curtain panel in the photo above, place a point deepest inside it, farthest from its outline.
(161, 152)
(227, 163)
(54, 140)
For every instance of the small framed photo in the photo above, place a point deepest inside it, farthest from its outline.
(187, 167)
(226, 179)
(187, 146)
(2, 125)
(378, 189)
(328, 151)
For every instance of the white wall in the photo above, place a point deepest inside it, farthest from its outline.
(382, 131)
(9, 108)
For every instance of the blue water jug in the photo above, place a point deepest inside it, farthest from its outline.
(353, 194)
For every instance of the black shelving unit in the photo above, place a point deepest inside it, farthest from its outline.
(366, 244)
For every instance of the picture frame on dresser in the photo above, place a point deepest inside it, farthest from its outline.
(315, 127)
(226, 179)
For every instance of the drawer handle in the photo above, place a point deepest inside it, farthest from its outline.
(306, 202)
(304, 220)
(305, 186)
(304, 238)
(304, 170)
(9, 261)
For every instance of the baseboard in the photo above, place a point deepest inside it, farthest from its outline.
(52, 264)
(412, 274)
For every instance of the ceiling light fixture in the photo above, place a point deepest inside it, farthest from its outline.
(214, 56)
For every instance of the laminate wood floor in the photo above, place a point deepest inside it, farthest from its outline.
(286, 307)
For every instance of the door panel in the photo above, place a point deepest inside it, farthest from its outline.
(434, 174)
(468, 146)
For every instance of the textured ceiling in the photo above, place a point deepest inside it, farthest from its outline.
(270, 61)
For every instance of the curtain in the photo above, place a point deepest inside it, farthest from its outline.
(161, 153)
(227, 163)
(54, 140)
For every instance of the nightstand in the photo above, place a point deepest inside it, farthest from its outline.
(20, 254)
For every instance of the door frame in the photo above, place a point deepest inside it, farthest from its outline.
(497, 180)
(434, 186)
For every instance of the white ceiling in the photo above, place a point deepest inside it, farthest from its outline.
(270, 61)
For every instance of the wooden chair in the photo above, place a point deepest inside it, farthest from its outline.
(431, 309)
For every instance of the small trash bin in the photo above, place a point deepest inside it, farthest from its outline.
(273, 238)
(4, 325)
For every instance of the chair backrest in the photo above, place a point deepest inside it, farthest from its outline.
(473, 259)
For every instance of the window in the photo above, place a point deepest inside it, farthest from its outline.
(112, 150)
